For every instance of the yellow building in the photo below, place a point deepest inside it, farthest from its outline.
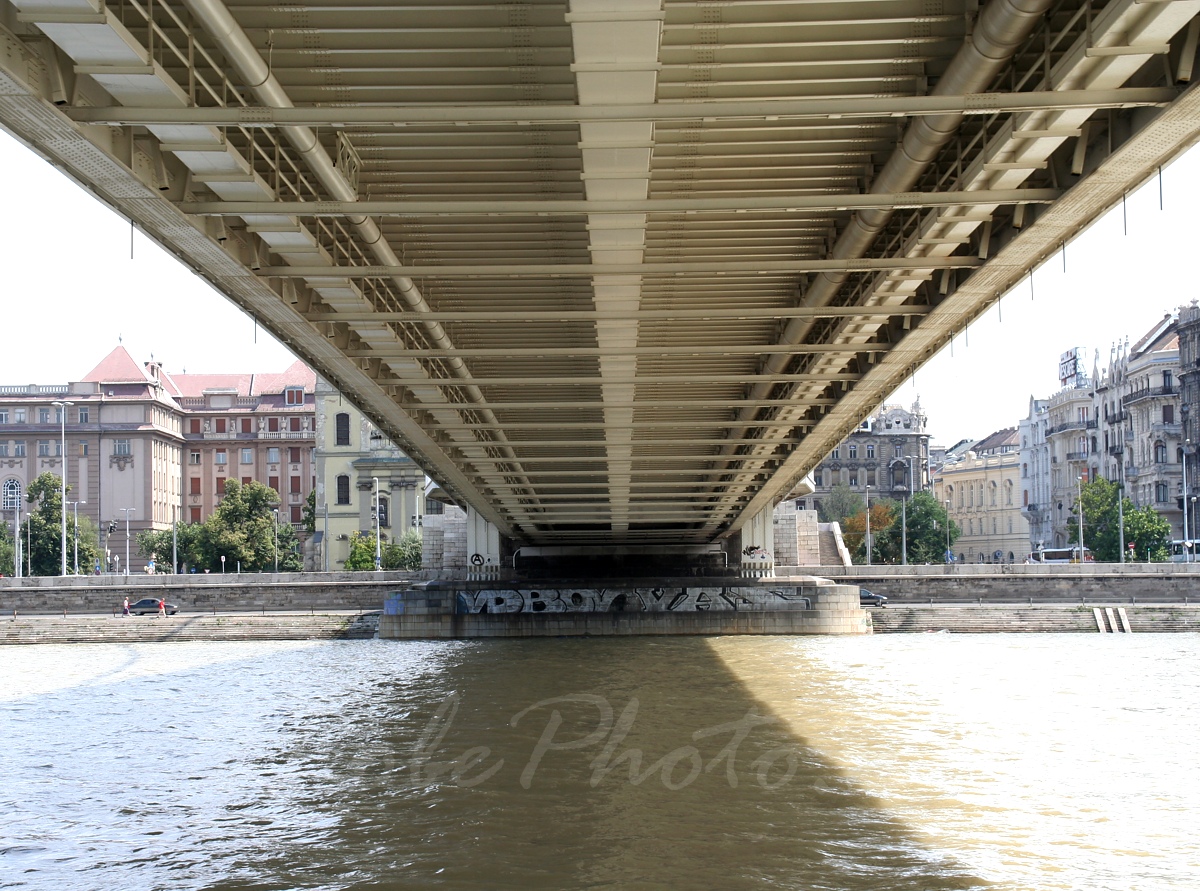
(981, 493)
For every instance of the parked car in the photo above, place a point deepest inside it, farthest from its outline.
(149, 606)
(868, 598)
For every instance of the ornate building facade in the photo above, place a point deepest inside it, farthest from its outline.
(980, 492)
(888, 456)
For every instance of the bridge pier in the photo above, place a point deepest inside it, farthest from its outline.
(483, 547)
(666, 606)
(758, 545)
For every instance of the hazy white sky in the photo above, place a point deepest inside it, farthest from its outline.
(70, 290)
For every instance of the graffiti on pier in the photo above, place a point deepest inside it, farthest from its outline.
(631, 600)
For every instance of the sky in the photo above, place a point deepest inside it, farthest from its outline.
(1117, 284)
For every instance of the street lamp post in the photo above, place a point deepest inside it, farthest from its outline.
(378, 557)
(1187, 556)
(276, 530)
(62, 417)
(76, 506)
(949, 556)
(1121, 504)
(127, 511)
(17, 544)
(904, 514)
(1079, 504)
(868, 513)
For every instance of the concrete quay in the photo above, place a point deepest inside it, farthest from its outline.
(50, 629)
(1015, 618)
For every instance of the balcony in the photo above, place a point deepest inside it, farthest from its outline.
(1116, 450)
(1078, 456)
(1161, 429)
(1117, 417)
(1149, 393)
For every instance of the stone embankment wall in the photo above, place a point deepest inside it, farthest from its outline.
(203, 593)
(1131, 582)
(1048, 618)
(104, 629)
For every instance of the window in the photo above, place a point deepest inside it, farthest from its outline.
(43, 448)
(1160, 453)
(246, 480)
(83, 448)
(273, 456)
(84, 414)
(294, 485)
(220, 425)
(992, 489)
(43, 416)
(247, 425)
(18, 416)
(835, 454)
(853, 451)
(19, 449)
(343, 489)
(1168, 414)
(272, 425)
(3, 448)
(3, 415)
(342, 422)
(220, 457)
(12, 494)
(854, 477)
(436, 507)
(293, 396)
(273, 483)
(294, 454)
(896, 451)
(247, 456)
(220, 485)
(194, 484)
(294, 424)
(193, 457)
(870, 450)
(817, 479)
(383, 513)
(1160, 492)
(194, 514)
(297, 514)
(194, 425)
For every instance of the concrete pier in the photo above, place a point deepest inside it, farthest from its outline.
(803, 605)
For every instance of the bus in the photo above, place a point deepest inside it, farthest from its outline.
(1184, 551)
(1060, 555)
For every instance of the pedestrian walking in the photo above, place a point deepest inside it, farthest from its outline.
(125, 608)
(162, 608)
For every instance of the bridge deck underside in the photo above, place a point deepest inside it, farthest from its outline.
(610, 271)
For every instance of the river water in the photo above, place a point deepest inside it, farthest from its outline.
(929, 761)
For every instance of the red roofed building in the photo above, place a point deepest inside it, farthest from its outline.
(151, 447)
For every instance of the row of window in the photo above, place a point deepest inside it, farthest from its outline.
(198, 426)
(44, 415)
(221, 456)
(852, 448)
(47, 448)
(295, 514)
(969, 490)
(195, 484)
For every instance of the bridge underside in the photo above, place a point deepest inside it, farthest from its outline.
(612, 271)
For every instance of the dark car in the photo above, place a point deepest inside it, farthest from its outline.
(149, 606)
(867, 598)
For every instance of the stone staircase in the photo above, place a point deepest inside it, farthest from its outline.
(831, 554)
(107, 629)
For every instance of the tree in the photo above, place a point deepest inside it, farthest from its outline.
(854, 529)
(45, 530)
(8, 551)
(403, 552)
(186, 540)
(842, 502)
(309, 517)
(362, 552)
(1146, 529)
(926, 531)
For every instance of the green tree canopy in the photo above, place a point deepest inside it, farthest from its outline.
(44, 528)
(926, 531)
(1147, 530)
(854, 529)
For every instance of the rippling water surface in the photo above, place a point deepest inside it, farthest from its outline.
(892, 762)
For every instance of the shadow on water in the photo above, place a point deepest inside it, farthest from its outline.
(572, 763)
